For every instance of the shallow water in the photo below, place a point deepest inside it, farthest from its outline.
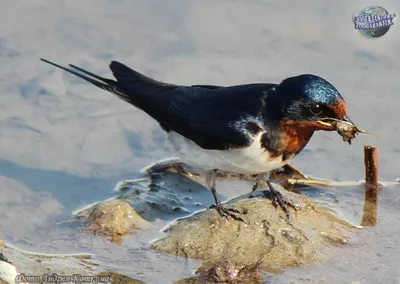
(65, 144)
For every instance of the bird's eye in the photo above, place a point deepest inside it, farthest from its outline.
(316, 109)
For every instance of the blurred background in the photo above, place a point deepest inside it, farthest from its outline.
(64, 143)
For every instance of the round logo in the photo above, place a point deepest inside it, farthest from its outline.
(374, 21)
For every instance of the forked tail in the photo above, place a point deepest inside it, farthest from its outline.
(133, 87)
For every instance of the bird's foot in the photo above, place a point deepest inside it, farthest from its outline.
(279, 200)
(227, 212)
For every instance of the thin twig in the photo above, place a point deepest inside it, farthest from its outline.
(338, 183)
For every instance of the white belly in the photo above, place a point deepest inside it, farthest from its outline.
(250, 160)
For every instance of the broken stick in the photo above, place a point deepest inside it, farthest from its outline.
(371, 186)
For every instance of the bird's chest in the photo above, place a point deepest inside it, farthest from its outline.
(293, 140)
(250, 160)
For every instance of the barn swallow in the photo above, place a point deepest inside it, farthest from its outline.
(243, 129)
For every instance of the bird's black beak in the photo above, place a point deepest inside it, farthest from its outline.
(348, 120)
(331, 123)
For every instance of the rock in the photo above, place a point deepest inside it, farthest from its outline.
(9, 273)
(27, 267)
(114, 218)
(118, 278)
(267, 236)
(225, 272)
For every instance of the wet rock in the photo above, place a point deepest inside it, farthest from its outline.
(8, 272)
(167, 196)
(114, 218)
(226, 272)
(23, 266)
(267, 236)
(116, 278)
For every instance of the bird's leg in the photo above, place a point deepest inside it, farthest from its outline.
(258, 183)
(275, 195)
(223, 211)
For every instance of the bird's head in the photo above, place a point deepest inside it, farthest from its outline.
(298, 107)
(309, 101)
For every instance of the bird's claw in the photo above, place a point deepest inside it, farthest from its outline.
(227, 212)
(279, 200)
